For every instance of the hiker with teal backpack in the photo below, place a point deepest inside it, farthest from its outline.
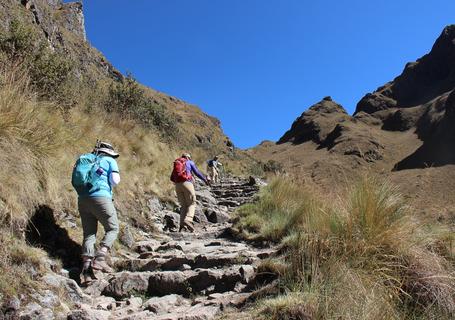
(94, 176)
(182, 176)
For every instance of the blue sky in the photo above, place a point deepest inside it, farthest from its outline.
(258, 64)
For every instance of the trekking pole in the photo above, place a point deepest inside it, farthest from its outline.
(97, 146)
(221, 175)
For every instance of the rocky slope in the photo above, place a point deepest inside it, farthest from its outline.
(401, 128)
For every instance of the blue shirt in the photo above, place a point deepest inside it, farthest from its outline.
(191, 167)
(107, 165)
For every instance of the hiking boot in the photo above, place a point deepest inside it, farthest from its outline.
(87, 276)
(187, 226)
(100, 264)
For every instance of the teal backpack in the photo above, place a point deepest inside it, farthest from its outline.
(85, 178)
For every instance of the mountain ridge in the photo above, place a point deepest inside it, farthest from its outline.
(402, 127)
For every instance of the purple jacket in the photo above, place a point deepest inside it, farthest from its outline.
(191, 167)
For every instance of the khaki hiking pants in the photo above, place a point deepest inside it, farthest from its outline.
(213, 174)
(187, 199)
(92, 211)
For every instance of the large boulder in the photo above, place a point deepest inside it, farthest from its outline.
(127, 283)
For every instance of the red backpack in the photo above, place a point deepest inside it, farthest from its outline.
(179, 173)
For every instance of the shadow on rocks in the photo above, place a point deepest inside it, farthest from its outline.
(44, 232)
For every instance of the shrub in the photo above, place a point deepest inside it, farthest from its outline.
(256, 169)
(273, 166)
(49, 71)
(128, 99)
(364, 258)
(49, 74)
(19, 44)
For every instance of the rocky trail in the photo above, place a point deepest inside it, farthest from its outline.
(181, 275)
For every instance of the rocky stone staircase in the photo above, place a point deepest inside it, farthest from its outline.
(185, 275)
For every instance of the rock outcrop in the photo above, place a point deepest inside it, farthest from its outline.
(315, 123)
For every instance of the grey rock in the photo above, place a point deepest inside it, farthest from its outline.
(185, 267)
(126, 237)
(134, 302)
(216, 216)
(74, 292)
(171, 221)
(87, 313)
(73, 18)
(199, 216)
(10, 306)
(170, 282)
(166, 246)
(229, 203)
(229, 299)
(205, 196)
(47, 299)
(201, 312)
(104, 303)
(161, 305)
(127, 283)
(155, 206)
(129, 313)
(34, 311)
(96, 288)
(141, 315)
(247, 272)
(147, 246)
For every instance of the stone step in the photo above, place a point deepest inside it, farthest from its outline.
(150, 261)
(185, 283)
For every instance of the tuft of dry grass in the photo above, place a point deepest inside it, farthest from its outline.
(30, 133)
(362, 257)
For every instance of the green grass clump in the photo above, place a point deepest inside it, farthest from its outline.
(366, 257)
(49, 72)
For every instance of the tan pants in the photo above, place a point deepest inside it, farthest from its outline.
(213, 174)
(92, 211)
(187, 199)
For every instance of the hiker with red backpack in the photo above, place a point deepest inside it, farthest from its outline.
(182, 176)
(94, 176)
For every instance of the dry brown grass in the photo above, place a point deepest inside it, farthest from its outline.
(361, 257)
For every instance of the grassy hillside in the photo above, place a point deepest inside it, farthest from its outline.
(57, 96)
(362, 255)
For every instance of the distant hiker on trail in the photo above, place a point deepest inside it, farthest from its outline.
(213, 168)
(94, 176)
(182, 176)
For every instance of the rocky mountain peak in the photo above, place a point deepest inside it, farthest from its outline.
(421, 81)
(315, 123)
